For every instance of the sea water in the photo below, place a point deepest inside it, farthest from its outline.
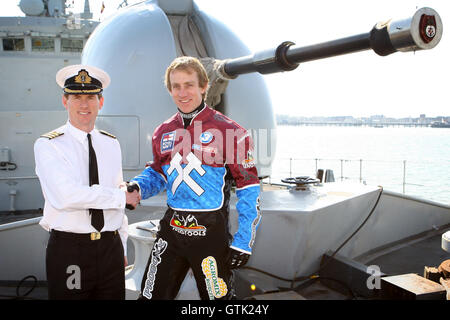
(410, 160)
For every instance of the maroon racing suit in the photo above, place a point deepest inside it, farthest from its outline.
(197, 163)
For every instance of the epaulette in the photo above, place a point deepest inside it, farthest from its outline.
(52, 134)
(107, 134)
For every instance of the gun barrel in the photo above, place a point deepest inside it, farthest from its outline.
(420, 32)
(329, 49)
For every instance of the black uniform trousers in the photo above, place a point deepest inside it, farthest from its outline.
(79, 268)
(200, 242)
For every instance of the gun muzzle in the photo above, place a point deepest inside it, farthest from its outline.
(420, 32)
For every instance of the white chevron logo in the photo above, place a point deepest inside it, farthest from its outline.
(184, 174)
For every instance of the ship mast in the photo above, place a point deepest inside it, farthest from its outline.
(87, 14)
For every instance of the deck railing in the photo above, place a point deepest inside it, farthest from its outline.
(428, 179)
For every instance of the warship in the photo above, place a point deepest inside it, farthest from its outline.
(318, 239)
(441, 124)
(33, 49)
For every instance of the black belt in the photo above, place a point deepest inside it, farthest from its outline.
(84, 236)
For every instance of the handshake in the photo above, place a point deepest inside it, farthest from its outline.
(132, 194)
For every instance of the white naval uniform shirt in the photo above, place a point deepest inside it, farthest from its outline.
(62, 165)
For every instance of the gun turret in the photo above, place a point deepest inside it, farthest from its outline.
(420, 32)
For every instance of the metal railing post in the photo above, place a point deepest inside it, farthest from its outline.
(290, 167)
(404, 175)
(360, 170)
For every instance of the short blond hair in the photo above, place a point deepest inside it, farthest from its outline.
(189, 65)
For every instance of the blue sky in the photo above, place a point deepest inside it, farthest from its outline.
(362, 84)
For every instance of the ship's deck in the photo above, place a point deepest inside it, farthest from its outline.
(404, 257)
(409, 256)
(13, 216)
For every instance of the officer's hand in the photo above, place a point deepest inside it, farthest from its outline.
(237, 259)
(132, 196)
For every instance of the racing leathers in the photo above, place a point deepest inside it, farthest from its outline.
(197, 163)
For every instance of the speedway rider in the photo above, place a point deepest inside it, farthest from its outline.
(197, 154)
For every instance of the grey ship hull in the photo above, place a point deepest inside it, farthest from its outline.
(297, 229)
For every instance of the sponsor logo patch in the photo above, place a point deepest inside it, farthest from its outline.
(168, 141)
(187, 226)
(249, 162)
(204, 148)
(158, 249)
(217, 288)
(206, 137)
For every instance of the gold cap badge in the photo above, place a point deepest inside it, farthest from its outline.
(83, 77)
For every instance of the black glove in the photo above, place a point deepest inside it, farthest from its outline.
(130, 188)
(237, 259)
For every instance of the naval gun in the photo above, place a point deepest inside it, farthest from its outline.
(422, 31)
(136, 102)
(184, 29)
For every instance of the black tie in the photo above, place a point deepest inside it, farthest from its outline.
(96, 214)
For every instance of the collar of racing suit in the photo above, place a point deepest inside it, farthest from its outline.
(187, 117)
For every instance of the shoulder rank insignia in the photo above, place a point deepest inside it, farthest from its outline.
(107, 134)
(52, 134)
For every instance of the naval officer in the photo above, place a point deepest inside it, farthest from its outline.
(80, 171)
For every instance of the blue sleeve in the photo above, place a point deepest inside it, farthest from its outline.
(249, 218)
(150, 182)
